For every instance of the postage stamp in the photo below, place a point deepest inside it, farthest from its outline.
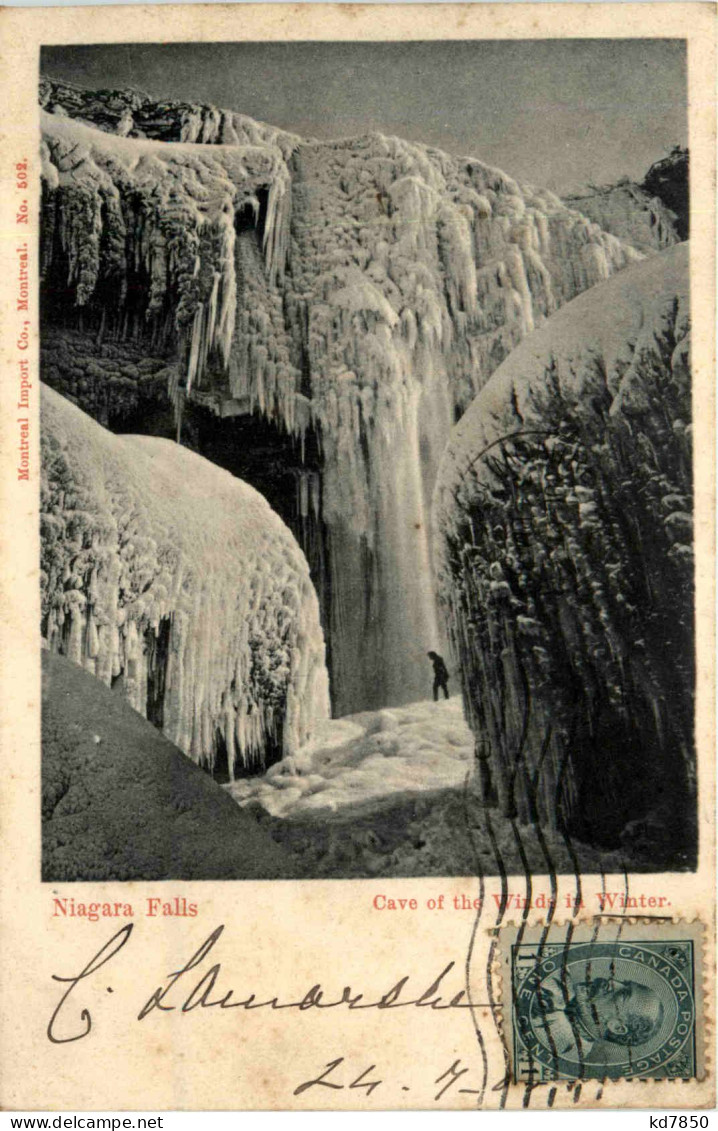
(604, 1000)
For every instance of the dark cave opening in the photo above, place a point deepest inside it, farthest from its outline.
(158, 653)
(245, 219)
(150, 417)
(220, 771)
(257, 451)
(260, 453)
(273, 753)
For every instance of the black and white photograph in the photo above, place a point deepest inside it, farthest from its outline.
(367, 476)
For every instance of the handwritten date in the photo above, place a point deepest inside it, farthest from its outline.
(367, 1079)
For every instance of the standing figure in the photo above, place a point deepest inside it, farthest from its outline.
(441, 675)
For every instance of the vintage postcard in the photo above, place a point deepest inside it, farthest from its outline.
(357, 574)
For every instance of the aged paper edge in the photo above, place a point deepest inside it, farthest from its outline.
(19, 680)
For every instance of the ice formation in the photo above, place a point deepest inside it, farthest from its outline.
(361, 291)
(166, 575)
(563, 506)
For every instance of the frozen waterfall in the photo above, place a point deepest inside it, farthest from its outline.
(356, 294)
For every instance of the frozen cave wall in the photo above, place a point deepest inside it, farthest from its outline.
(354, 294)
(564, 511)
(172, 581)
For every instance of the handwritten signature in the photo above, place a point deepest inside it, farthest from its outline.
(206, 993)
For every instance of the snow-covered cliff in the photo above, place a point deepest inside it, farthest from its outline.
(563, 507)
(632, 214)
(357, 294)
(132, 113)
(165, 574)
(650, 215)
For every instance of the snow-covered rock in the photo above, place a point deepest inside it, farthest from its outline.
(668, 179)
(165, 575)
(563, 509)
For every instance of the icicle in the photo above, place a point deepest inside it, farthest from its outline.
(304, 495)
(315, 486)
(209, 335)
(222, 337)
(276, 227)
(195, 347)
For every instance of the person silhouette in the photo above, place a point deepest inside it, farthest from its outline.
(441, 675)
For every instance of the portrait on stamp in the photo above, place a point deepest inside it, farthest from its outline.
(611, 1002)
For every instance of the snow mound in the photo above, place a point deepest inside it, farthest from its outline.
(120, 802)
(167, 575)
(361, 760)
(564, 554)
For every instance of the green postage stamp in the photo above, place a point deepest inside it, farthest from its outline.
(608, 999)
